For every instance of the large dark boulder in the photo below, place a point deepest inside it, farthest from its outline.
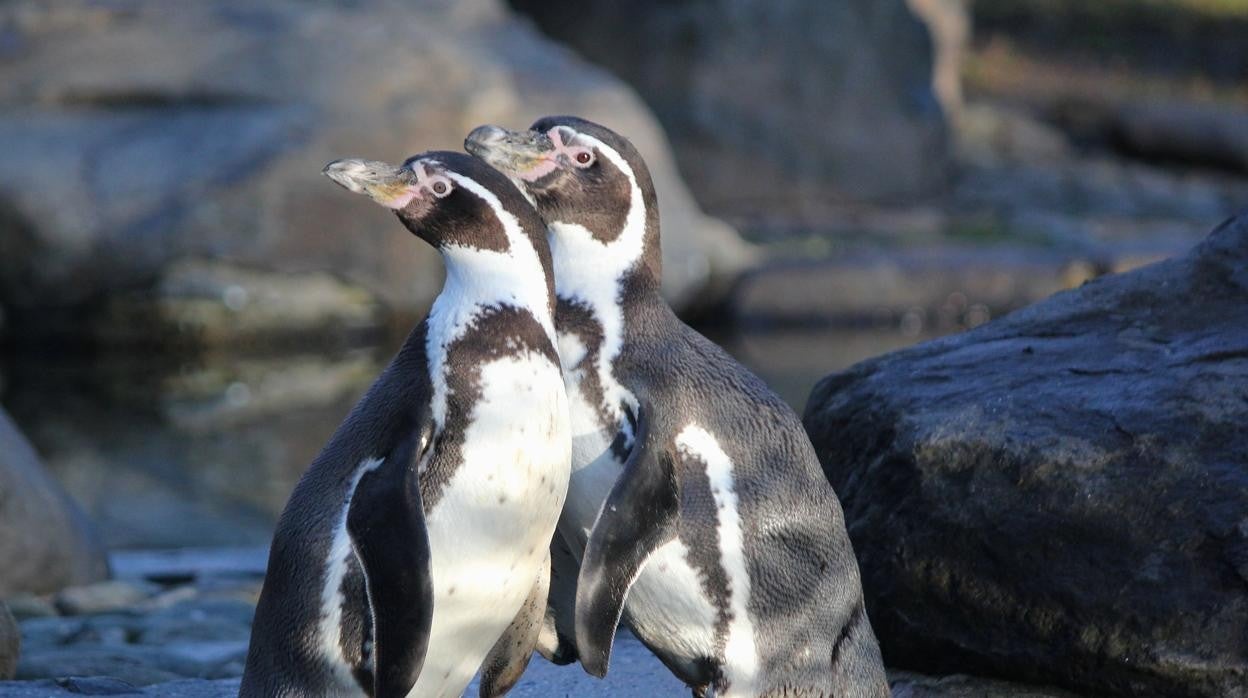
(771, 102)
(46, 543)
(1061, 496)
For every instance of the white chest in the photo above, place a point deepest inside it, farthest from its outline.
(489, 532)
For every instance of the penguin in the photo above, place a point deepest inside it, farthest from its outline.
(414, 550)
(696, 507)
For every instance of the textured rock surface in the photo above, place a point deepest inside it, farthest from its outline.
(1061, 495)
(907, 685)
(933, 288)
(139, 135)
(730, 80)
(45, 541)
(102, 685)
(103, 597)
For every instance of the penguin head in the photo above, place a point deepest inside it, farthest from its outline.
(446, 199)
(575, 172)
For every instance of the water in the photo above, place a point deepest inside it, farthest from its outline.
(205, 451)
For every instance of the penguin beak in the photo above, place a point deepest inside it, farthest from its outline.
(391, 186)
(525, 154)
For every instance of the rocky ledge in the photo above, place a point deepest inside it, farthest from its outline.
(1059, 496)
(177, 626)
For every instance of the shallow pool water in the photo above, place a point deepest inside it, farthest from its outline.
(205, 451)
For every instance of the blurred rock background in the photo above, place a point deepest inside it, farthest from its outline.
(187, 309)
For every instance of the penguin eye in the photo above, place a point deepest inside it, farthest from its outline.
(584, 158)
(440, 188)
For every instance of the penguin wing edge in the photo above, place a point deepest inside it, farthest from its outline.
(637, 518)
(386, 522)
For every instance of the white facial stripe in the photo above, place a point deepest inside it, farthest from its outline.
(590, 271)
(478, 279)
(340, 551)
(740, 653)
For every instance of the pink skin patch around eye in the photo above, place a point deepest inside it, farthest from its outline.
(424, 182)
(550, 162)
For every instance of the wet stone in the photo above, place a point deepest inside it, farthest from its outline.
(24, 606)
(164, 630)
(50, 632)
(229, 610)
(193, 688)
(138, 666)
(97, 686)
(103, 597)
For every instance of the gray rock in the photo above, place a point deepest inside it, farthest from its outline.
(202, 302)
(1100, 189)
(990, 133)
(103, 629)
(224, 659)
(103, 597)
(923, 290)
(163, 630)
(1059, 496)
(191, 562)
(1195, 133)
(51, 631)
(770, 102)
(227, 688)
(140, 138)
(97, 686)
(10, 643)
(908, 685)
(140, 666)
(45, 540)
(225, 610)
(24, 606)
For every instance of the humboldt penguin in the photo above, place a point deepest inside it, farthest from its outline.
(414, 550)
(697, 508)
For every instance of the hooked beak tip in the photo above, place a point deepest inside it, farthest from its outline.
(482, 138)
(345, 173)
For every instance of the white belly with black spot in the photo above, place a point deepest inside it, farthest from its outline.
(489, 532)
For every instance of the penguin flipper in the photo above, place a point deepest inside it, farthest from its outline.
(386, 523)
(510, 655)
(637, 518)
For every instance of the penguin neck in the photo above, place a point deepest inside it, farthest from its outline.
(520, 276)
(479, 279)
(596, 274)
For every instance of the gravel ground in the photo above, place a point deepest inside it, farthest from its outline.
(176, 625)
